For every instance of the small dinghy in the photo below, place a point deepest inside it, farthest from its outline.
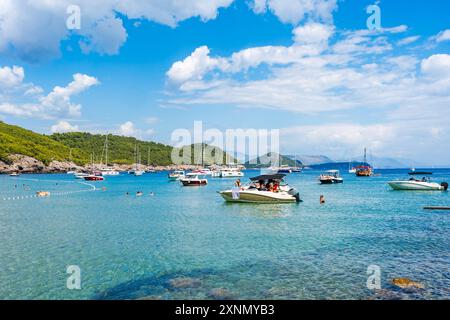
(331, 177)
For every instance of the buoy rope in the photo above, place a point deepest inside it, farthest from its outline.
(62, 193)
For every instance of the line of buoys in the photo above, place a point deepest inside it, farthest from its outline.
(45, 194)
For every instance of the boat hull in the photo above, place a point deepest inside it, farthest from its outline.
(194, 183)
(258, 197)
(331, 181)
(416, 186)
(94, 178)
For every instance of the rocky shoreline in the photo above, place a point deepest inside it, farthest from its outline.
(25, 164)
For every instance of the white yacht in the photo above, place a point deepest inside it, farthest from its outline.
(176, 175)
(108, 171)
(268, 188)
(418, 185)
(232, 170)
(138, 172)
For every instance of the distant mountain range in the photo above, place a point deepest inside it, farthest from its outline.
(322, 161)
(308, 160)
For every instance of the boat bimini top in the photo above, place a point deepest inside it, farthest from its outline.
(275, 177)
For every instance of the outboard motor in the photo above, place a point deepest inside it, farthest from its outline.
(445, 185)
(296, 195)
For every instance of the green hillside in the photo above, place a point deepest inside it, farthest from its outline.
(121, 149)
(16, 140)
(206, 155)
(80, 146)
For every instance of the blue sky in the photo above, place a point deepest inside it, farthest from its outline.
(308, 67)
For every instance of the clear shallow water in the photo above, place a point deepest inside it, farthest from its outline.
(132, 247)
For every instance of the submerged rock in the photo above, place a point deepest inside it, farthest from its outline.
(406, 283)
(185, 283)
(220, 294)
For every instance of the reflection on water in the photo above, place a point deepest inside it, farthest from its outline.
(187, 243)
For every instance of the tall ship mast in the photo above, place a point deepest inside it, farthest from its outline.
(366, 169)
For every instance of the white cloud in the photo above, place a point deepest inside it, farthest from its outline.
(128, 129)
(443, 36)
(33, 90)
(11, 77)
(151, 120)
(311, 39)
(57, 103)
(408, 40)
(33, 30)
(312, 33)
(194, 66)
(338, 137)
(295, 11)
(63, 126)
(437, 65)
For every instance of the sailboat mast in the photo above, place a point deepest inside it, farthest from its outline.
(106, 150)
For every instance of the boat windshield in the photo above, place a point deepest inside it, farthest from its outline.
(424, 179)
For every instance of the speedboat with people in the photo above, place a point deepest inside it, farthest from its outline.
(267, 188)
(425, 184)
(176, 175)
(193, 179)
(331, 177)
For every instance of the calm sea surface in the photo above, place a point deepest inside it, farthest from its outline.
(187, 243)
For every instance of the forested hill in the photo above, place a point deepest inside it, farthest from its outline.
(80, 146)
(16, 140)
(121, 150)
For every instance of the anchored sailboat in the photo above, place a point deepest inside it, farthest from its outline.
(366, 169)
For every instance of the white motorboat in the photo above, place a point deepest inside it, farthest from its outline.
(231, 173)
(80, 175)
(176, 175)
(203, 171)
(14, 174)
(418, 185)
(109, 172)
(193, 179)
(263, 189)
(331, 177)
(138, 172)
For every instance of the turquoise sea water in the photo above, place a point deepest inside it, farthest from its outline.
(132, 247)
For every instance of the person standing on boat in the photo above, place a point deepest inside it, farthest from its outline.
(238, 183)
